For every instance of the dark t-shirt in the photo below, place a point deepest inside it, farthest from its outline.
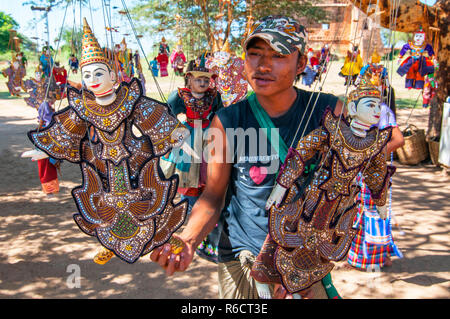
(254, 166)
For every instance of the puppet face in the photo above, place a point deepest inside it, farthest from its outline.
(15, 65)
(221, 57)
(37, 76)
(199, 84)
(367, 111)
(310, 54)
(419, 38)
(98, 79)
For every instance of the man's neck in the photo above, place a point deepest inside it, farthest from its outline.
(278, 104)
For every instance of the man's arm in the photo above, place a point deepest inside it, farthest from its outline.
(207, 209)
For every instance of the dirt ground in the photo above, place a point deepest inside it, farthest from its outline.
(40, 244)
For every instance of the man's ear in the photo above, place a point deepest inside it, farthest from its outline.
(301, 63)
(351, 107)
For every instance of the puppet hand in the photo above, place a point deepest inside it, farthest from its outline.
(382, 211)
(276, 196)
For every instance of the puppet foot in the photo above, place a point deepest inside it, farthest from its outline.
(103, 256)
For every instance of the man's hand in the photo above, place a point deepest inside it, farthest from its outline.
(170, 261)
(279, 292)
(276, 196)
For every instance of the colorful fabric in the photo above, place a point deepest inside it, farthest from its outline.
(373, 243)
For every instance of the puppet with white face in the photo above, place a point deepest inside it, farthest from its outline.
(419, 63)
(117, 136)
(229, 69)
(15, 74)
(311, 216)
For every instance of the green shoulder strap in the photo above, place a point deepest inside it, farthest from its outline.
(265, 122)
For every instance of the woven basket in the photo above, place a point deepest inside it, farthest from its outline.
(433, 147)
(415, 149)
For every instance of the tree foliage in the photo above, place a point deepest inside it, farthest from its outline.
(209, 24)
(7, 23)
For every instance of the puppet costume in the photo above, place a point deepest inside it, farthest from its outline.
(124, 200)
(312, 228)
(15, 78)
(229, 71)
(418, 64)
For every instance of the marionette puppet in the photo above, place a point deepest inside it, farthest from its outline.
(163, 62)
(46, 61)
(352, 66)
(15, 74)
(419, 63)
(309, 229)
(194, 105)
(117, 137)
(178, 60)
(230, 81)
(139, 71)
(377, 75)
(311, 69)
(38, 88)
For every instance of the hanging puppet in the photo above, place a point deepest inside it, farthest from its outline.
(15, 74)
(47, 167)
(310, 225)
(311, 69)
(230, 79)
(429, 89)
(46, 60)
(178, 60)
(195, 106)
(164, 47)
(163, 58)
(125, 63)
(419, 63)
(117, 137)
(377, 74)
(139, 72)
(38, 87)
(352, 66)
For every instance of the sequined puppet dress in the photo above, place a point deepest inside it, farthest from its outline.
(15, 74)
(124, 200)
(230, 81)
(313, 227)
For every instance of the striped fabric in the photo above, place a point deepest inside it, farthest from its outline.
(373, 242)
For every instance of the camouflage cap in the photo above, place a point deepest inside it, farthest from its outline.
(285, 35)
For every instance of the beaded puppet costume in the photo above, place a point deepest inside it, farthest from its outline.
(310, 229)
(230, 81)
(124, 201)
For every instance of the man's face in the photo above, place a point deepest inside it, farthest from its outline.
(269, 72)
(368, 111)
(199, 84)
(419, 38)
(98, 79)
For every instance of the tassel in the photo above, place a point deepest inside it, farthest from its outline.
(263, 290)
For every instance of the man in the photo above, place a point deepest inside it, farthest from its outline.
(242, 183)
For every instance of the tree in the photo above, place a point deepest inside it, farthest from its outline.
(435, 21)
(208, 24)
(7, 23)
